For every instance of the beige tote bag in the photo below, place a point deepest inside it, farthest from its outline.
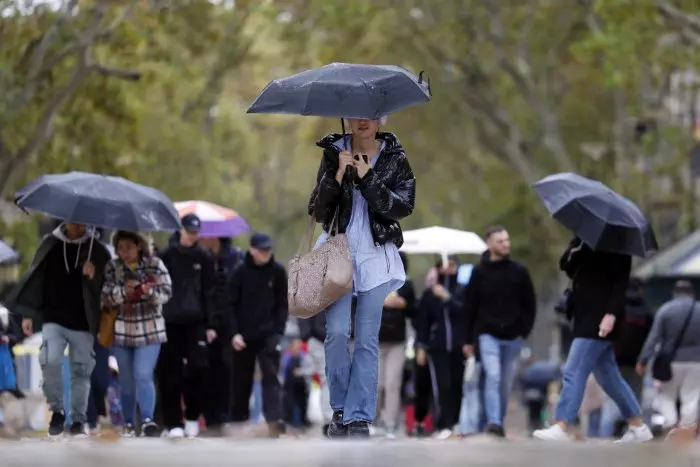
(320, 277)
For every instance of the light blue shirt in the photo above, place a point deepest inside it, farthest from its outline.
(372, 265)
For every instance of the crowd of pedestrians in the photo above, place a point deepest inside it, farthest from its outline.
(173, 338)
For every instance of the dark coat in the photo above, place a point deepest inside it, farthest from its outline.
(389, 188)
(26, 298)
(599, 287)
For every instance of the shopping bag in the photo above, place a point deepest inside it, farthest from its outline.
(8, 379)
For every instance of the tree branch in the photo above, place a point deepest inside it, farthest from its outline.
(104, 70)
(12, 162)
(519, 74)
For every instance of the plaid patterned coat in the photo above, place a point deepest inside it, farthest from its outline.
(140, 321)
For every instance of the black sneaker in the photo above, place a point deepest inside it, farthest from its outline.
(496, 430)
(150, 429)
(419, 431)
(336, 429)
(77, 429)
(58, 424)
(358, 430)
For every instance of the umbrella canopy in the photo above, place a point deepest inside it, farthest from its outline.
(600, 217)
(99, 200)
(7, 254)
(217, 221)
(343, 90)
(442, 241)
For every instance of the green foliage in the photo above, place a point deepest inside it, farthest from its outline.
(521, 89)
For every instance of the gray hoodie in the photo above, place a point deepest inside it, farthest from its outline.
(667, 327)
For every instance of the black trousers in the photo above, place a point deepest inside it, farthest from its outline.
(217, 405)
(296, 396)
(534, 414)
(268, 357)
(177, 380)
(447, 371)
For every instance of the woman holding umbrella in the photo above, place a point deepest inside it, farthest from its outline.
(365, 185)
(609, 229)
(363, 188)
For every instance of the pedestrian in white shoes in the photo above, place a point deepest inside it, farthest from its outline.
(596, 300)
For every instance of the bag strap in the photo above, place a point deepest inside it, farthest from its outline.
(308, 237)
(679, 339)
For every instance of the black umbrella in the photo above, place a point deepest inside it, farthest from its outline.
(101, 201)
(344, 90)
(602, 218)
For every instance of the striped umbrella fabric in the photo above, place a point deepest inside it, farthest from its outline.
(217, 221)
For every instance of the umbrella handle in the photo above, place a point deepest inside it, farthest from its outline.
(92, 240)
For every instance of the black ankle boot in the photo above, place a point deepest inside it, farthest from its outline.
(358, 430)
(336, 429)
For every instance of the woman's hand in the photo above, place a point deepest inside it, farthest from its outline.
(344, 160)
(606, 325)
(361, 165)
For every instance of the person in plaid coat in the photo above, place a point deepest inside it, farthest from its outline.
(139, 285)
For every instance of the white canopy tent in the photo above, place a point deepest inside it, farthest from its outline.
(442, 241)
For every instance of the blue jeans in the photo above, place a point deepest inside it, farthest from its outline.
(499, 358)
(136, 365)
(352, 382)
(588, 356)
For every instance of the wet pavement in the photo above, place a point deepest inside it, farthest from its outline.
(322, 453)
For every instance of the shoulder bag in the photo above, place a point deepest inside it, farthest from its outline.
(320, 277)
(661, 369)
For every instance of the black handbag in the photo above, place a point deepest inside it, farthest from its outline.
(661, 369)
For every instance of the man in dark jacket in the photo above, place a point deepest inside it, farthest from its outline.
(61, 290)
(259, 317)
(500, 308)
(189, 327)
(218, 397)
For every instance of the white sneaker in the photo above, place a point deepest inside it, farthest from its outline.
(443, 434)
(176, 433)
(636, 434)
(553, 433)
(191, 428)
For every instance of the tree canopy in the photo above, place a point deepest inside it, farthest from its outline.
(156, 91)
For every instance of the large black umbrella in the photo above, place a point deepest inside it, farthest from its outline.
(602, 218)
(101, 201)
(344, 90)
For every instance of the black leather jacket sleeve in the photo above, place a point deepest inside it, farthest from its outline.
(395, 202)
(325, 194)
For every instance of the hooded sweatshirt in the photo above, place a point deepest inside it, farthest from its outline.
(192, 273)
(63, 301)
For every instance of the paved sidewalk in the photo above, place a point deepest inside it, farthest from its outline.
(475, 452)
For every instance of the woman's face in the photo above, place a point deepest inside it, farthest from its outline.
(364, 128)
(450, 269)
(127, 250)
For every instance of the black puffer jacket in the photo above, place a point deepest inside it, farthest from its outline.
(389, 188)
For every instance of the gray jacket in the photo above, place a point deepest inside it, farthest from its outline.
(666, 329)
(26, 298)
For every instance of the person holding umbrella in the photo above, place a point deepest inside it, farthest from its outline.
(364, 187)
(369, 189)
(609, 229)
(62, 290)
